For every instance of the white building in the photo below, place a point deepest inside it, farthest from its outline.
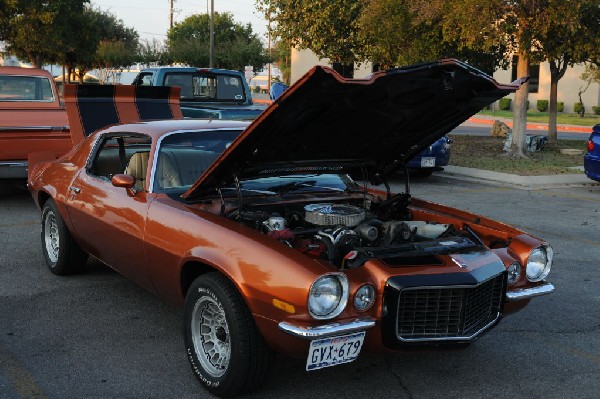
(568, 87)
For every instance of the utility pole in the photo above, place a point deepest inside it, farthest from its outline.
(212, 35)
(171, 15)
(269, 40)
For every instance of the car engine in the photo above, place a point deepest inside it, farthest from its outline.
(347, 234)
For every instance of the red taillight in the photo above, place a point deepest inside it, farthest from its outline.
(590, 146)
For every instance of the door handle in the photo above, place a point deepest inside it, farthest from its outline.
(75, 190)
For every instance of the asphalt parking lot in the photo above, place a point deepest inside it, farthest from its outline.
(97, 335)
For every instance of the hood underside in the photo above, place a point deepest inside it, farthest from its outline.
(325, 123)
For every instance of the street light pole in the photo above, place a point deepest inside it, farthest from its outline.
(212, 35)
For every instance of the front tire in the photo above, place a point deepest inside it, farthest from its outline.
(61, 253)
(223, 344)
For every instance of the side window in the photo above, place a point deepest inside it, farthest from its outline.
(144, 79)
(126, 153)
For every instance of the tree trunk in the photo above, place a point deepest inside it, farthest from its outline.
(557, 71)
(517, 148)
(35, 59)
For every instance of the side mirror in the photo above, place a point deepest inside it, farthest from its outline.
(125, 181)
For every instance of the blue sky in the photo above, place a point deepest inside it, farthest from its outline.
(151, 17)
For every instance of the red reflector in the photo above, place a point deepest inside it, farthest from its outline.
(590, 146)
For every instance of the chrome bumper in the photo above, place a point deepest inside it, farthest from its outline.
(13, 169)
(527, 293)
(327, 330)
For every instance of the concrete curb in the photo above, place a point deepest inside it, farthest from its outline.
(523, 182)
(489, 120)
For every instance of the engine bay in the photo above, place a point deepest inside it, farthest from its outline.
(348, 233)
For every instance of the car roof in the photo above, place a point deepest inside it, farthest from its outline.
(158, 128)
(12, 70)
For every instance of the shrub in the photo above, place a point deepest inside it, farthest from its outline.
(560, 107)
(256, 89)
(577, 108)
(596, 109)
(542, 105)
(504, 104)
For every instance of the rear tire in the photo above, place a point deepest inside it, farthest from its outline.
(225, 349)
(61, 253)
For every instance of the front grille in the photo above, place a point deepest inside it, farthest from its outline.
(451, 312)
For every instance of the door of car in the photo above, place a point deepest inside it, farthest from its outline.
(109, 222)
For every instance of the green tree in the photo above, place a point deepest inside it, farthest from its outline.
(392, 34)
(236, 45)
(477, 24)
(103, 41)
(36, 30)
(282, 58)
(153, 52)
(328, 28)
(569, 34)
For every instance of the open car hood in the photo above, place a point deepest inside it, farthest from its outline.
(326, 124)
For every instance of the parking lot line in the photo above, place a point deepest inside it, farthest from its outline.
(22, 382)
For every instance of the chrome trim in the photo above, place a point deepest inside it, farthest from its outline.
(527, 293)
(327, 330)
(33, 128)
(161, 138)
(464, 338)
(13, 169)
(13, 164)
(470, 337)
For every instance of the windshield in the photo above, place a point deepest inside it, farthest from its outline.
(313, 183)
(207, 87)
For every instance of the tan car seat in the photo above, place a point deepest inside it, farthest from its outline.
(137, 167)
(167, 174)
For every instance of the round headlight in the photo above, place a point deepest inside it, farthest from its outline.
(364, 297)
(514, 273)
(539, 263)
(328, 296)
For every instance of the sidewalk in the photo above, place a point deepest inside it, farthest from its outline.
(489, 120)
(516, 181)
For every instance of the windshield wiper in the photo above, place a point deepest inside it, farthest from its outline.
(293, 186)
(250, 190)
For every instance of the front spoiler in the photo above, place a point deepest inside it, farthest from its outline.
(327, 330)
(528, 293)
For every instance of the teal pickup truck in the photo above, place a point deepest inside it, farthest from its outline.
(206, 92)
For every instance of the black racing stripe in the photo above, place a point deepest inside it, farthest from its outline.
(96, 107)
(153, 102)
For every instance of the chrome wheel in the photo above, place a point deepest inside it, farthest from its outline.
(210, 336)
(51, 236)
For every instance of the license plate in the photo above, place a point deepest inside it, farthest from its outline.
(329, 352)
(428, 162)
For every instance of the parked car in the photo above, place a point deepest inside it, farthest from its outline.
(256, 230)
(206, 92)
(431, 159)
(591, 160)
(31, 119)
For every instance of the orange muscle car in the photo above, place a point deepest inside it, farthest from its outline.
(259, 233)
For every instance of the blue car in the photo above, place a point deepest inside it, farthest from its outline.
(591, 161)
(431, 159)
